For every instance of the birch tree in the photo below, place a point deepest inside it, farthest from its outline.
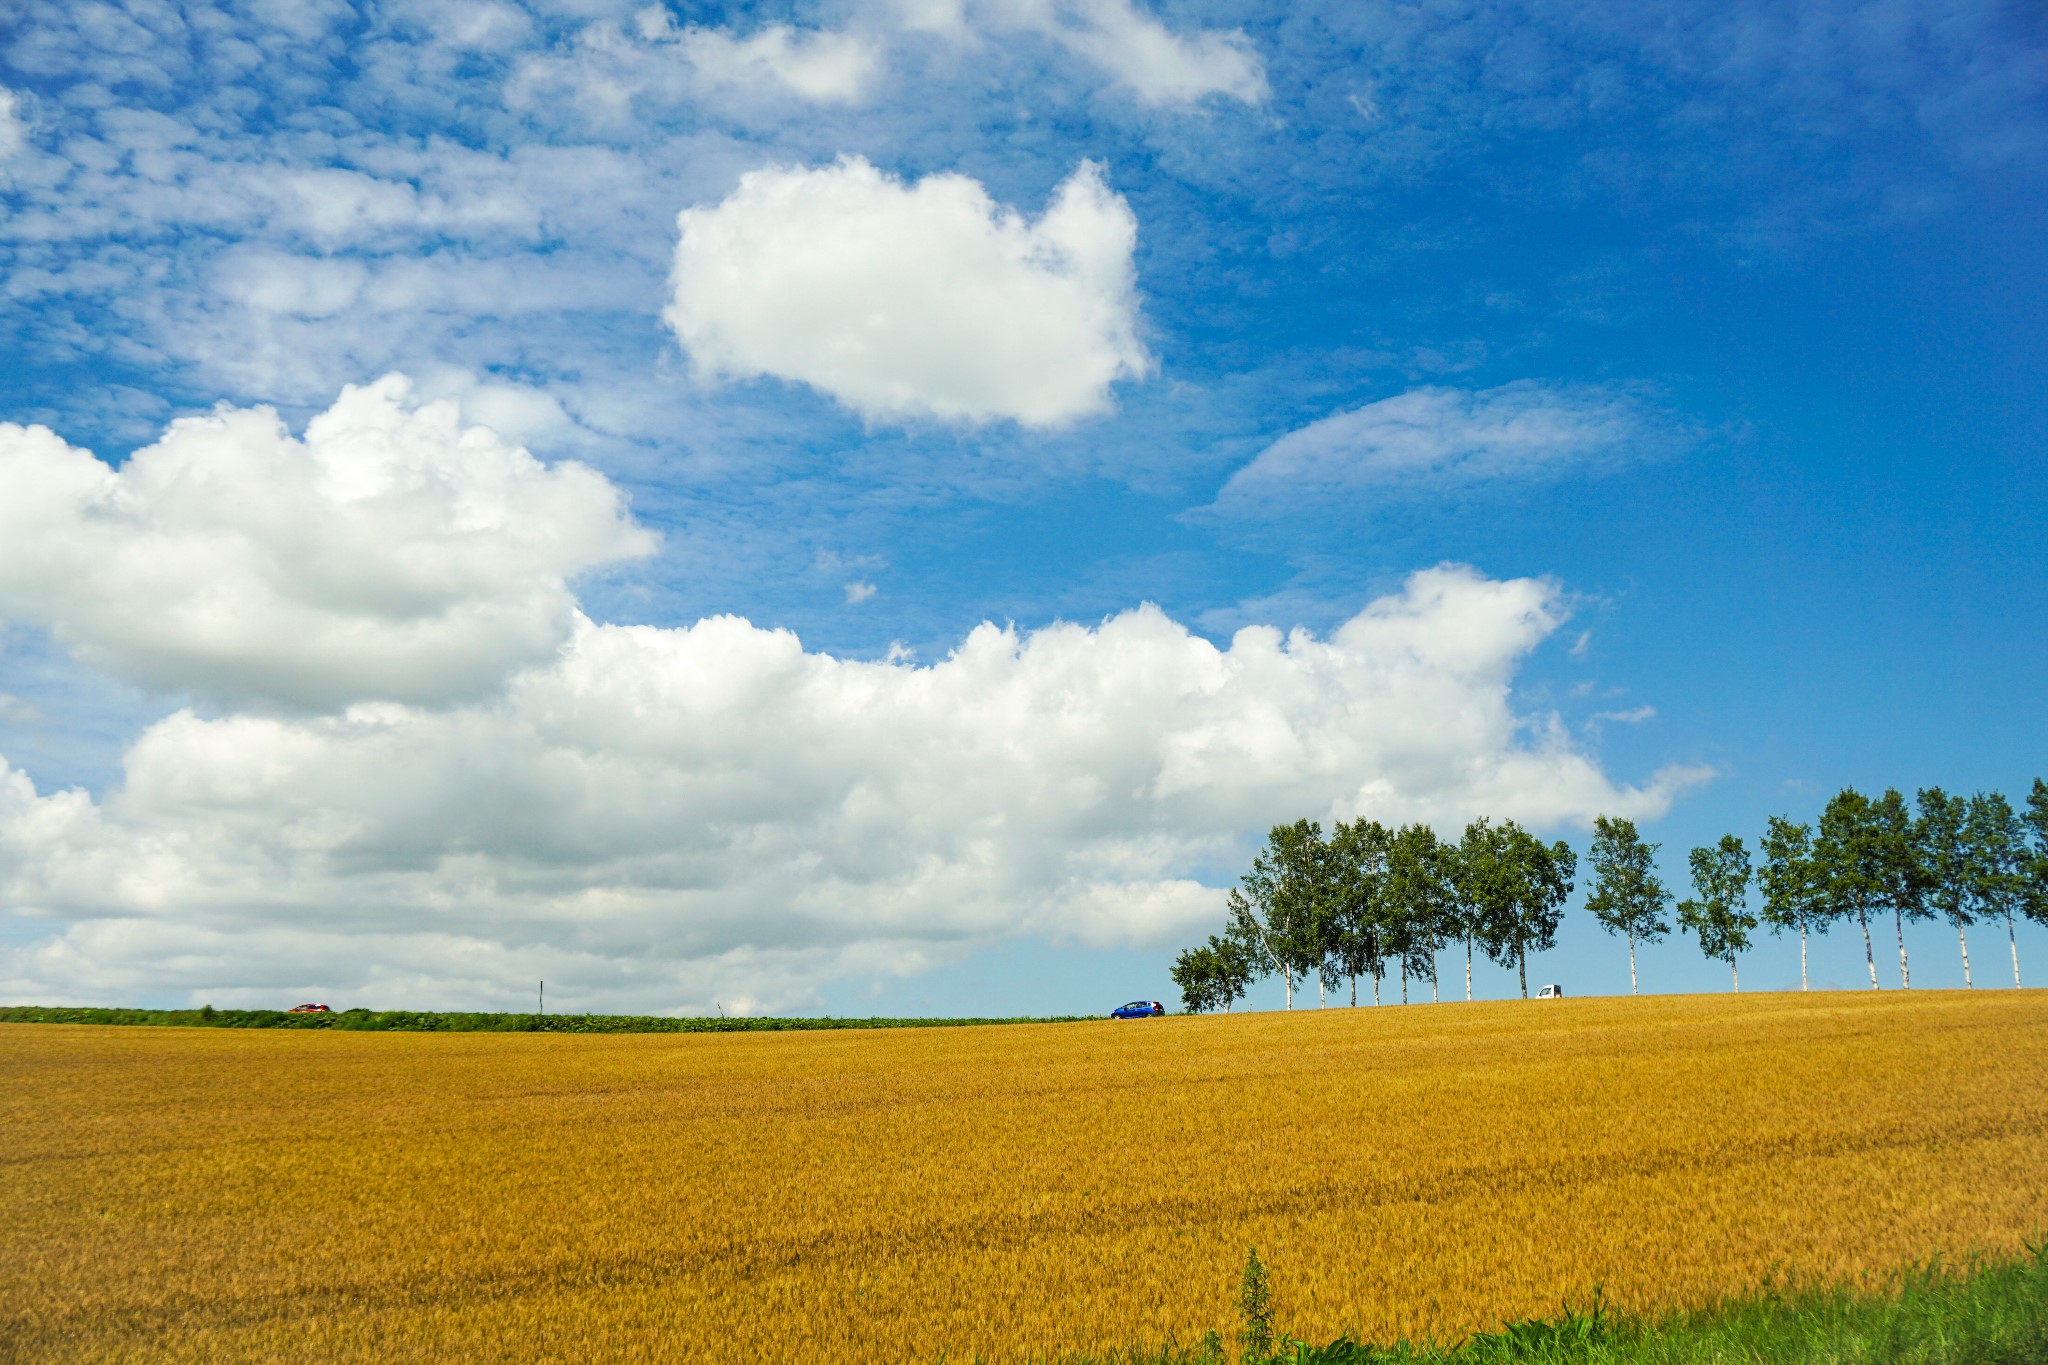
(1793, 893)
(1420, 896)
(1358, 875)
(1518, 889)
(1278, 909)
(1995, 849)
(1476, 872)
(1940, 846)
(1844, 864)
(1899, 878)
(2034, 893)
(1719, 911)
(1626, 896)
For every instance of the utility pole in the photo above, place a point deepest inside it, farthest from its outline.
(543, 997)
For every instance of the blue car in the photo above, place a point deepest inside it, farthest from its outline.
(1138, 1009)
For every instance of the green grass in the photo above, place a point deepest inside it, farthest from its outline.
(422, 1021)
(1986, 1312)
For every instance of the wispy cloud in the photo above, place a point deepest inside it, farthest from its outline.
(1160, 66)
(615, 73)
(13, 128)
(1435, 441)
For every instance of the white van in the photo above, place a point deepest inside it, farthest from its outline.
(1551, 992)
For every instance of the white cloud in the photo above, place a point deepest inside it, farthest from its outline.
(661, 818)
(913, 300)
(608, 69)
(334, 207)
(1160, 66)
(824, 68)
(1435, 439)
(13, 130)
(858, 592)
(471, 25)
(392, 553)
(608, 72)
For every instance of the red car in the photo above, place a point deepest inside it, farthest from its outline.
(309, 1009)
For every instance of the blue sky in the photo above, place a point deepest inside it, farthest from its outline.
(1703, 343)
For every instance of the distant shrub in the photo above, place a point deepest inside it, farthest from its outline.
(428, 1021)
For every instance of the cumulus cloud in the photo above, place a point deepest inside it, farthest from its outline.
(1434, 439)
(392, 553)
(905, 300)
(667, 817)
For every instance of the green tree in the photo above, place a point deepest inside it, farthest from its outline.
(1900, 879)
(1194, 971)
(1420, 904)
(1793, 890)
(1719, 911)
(1480, 880)
(1995, 850)
(1626, 897)
(1513, 886)
(1845, 864)
(1467, 871)
(2034, 898)
(1279, 909)
(1942, 851)
(1358, 874)
(1212, 976)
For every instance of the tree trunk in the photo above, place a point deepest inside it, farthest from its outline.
(1354, 990)
(1802, 952)
(1376, 977)
(1434, 998)
(2015, 946)
(1404, 981)
(1288, 978)
(1322, 993)
(1964, 939)
(1468, 970)
(1735, 972)
(1869, 961)
(1522, 967)
(1632, 966)
(1905, 972)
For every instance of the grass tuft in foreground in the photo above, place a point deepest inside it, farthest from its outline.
(1986, 1312)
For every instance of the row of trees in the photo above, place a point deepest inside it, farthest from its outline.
(1368, 900)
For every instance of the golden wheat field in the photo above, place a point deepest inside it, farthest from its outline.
(1003, 1192)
